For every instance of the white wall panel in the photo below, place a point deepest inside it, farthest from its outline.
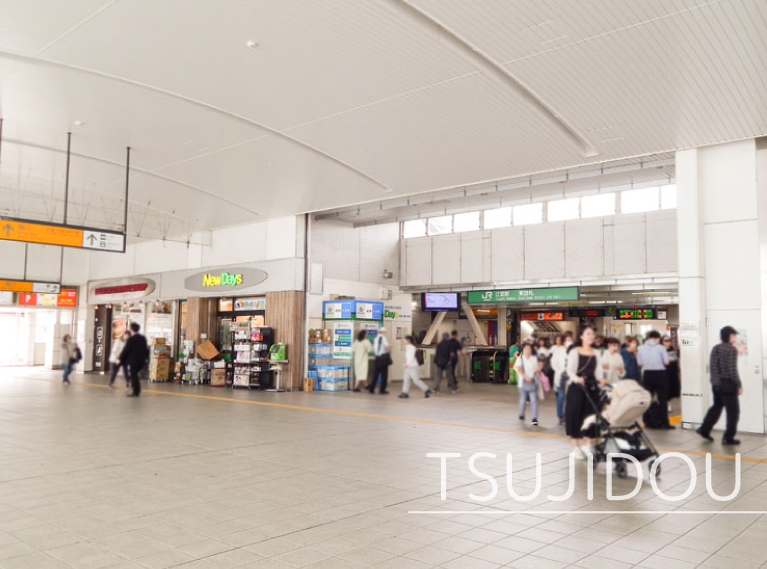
(160, 256)
(337, 246)
(44, 263)
(446, 260)
(418, 261)
(628, 253)
(544, 250)
(76, 267)
(240, 244)
(379, 250)
(12, 260)
(726, 178)
(475, 257)
(584, 247)
(507, 254)
(281, 237)
(732, 278)
(661, 243)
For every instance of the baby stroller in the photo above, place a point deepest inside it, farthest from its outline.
(617, 428)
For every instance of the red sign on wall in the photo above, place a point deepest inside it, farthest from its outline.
(28, 299)
(67, 298)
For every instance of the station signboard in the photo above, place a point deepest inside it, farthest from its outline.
(27, 231)
(12, 285)
(524, 295)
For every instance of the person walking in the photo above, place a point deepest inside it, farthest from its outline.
(653, 359)
(114, 360)
(674, 382)
(68, 355)
(457, 349)
(135, 355)
(383, 360)
(612, 361)
(527, 369)
(443, 361)
(727, 387)
(629, 355)
(558, 361)
(411, 370)
(584, 376)
(361, 352)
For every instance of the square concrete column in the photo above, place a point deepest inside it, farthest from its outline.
(721, 272)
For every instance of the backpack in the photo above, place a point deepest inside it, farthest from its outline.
(78, 355)
(653, 416)
(419, 356)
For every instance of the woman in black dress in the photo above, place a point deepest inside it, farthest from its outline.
(585, 375)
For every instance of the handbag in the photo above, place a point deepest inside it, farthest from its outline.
(384, 360)
(543, 380)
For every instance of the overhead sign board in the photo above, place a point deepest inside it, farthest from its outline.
(120, 290)
(12, 285)
(61, 235)
(545, 316)
(65, 299)
(337, 309)
(366, 310)
(524, 295)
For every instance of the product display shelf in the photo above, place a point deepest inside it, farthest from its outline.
(250, 356)
(330, 374)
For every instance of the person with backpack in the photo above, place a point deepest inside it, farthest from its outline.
(69, 353)
(381, 349)
(135, 355)
(727, 387)
(443, 360)
(411, 369)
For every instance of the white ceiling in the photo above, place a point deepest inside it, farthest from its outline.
(345, 102)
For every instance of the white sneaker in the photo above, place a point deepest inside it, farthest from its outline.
(577, 454)
(586, 449)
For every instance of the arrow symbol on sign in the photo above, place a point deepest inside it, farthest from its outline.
(92, 238)
(8, 228)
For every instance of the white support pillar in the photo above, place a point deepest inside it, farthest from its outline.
(432, 331)
(721, 270)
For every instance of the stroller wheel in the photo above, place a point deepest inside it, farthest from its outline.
(657, 469)
(621, 470)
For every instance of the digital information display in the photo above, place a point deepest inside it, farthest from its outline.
(440, 301)
(636, 314)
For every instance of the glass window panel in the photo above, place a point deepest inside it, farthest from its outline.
(500, 217)
(528, 214)
(668, 196)
(598, 205)
(560, 210)
(466, 221)
(637, 201)
(440, 225)
(414, 228)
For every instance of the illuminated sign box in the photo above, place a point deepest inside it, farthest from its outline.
(636, 314)
(525, 295)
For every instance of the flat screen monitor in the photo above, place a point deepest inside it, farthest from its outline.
(440, 301)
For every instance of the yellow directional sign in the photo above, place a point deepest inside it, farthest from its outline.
(62, 235)
(12, 285)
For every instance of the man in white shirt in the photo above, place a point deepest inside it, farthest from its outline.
(381, 348)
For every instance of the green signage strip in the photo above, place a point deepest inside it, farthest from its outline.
(524, 295)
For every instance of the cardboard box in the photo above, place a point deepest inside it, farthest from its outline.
(218, 377)
(158, 341)
(207, 350)
(308, 384)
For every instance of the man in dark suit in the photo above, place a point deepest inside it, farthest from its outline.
(135, 356)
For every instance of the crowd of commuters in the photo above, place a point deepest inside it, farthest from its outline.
(578, 368)
(575, 368)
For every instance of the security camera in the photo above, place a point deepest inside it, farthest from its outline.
(387, 274)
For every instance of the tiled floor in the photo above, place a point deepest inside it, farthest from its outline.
(92, 479)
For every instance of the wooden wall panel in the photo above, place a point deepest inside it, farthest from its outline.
(285, 313)
(202, 314)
